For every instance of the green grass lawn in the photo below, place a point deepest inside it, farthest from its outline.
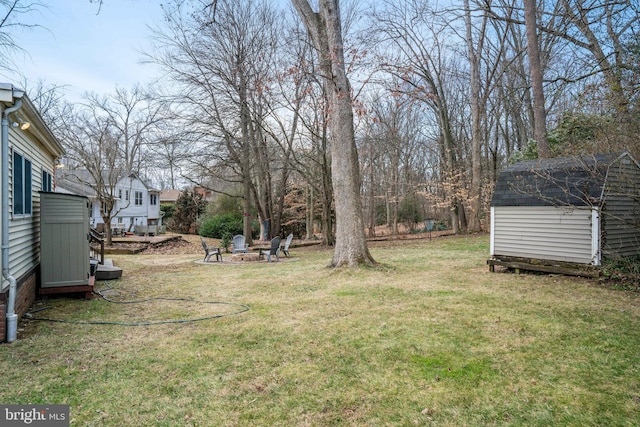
(429, 337)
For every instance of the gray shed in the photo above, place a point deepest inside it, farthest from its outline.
(64, 244)
(567, 214)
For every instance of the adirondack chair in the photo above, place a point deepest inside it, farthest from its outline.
(287, 242)
(274, 250)
(239, 246)
(209, 251)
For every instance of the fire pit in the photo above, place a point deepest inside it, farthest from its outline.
(248, 257)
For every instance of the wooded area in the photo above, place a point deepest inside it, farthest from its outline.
(443, 94)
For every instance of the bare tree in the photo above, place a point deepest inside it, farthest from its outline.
(325, 31)
(312, 155)
(309, 153)
(535, 68)
(13, 14)
(221, 56)
(477, 110)
(416, 54)
(387, 129)
(105, 140)
(395, 159)
(91, 147)
(48, 99)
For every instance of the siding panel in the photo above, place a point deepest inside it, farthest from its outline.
(621, 219)
(541, 232)
(24, 232)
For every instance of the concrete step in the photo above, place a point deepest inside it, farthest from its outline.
(107, 271)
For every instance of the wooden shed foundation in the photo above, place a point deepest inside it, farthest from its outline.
(87, 290)
(545, 266)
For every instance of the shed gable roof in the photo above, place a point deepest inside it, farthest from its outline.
(565, 181)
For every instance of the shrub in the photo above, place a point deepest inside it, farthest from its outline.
(226, 205)
(220, 225)
(168, 209)
(622, 273)
(225, 242)
(188, 207)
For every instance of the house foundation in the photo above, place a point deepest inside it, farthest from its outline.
(25, 297)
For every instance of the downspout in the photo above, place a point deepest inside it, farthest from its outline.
(12, 317)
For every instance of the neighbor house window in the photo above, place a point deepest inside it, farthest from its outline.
(21, 185)
(126, 195)
(47, 181)
(138, 198)
(153, 199)
(120, 194)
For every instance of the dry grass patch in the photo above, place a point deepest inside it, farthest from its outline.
(428, 337)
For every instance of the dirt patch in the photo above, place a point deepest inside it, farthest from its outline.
(190, 243)
(174, 247)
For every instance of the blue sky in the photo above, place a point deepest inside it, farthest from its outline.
(86, 50)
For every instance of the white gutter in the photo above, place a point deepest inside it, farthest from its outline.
(12, 317)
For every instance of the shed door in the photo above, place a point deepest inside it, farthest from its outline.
(64, 244)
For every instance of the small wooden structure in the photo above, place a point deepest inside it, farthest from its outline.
(566, 215)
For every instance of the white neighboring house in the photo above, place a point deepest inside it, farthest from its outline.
(29, 156)
(137, 207)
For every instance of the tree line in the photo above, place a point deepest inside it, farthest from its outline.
(442, 97)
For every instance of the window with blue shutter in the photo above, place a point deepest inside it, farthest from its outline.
(22, 185)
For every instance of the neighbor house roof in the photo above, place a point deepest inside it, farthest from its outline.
(75, 181)
(169, 196)
(81, 182)
(565, 181)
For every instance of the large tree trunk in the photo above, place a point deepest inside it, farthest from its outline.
(395, 181)
(476, 169)
(326, 33)
(245, 119)
(326, 193)
(105, 213)
(372, 198)
(309, 218)
(535, 69)
(328, 233)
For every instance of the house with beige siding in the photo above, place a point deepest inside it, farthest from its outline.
(566, 215)
(29, 153)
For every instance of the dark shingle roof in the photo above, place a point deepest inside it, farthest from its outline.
(566, 181)
(81, 182)
(77, 181)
